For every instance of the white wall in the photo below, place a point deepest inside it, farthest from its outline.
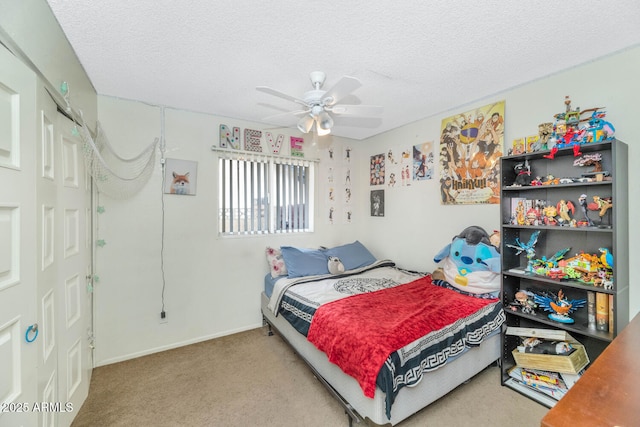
(213, 284)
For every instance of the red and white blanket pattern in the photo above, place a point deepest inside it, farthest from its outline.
(359, 333)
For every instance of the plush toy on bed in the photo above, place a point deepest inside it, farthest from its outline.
(470, 262)
(335, 265)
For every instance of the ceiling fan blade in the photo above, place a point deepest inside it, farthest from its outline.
(356, 110)
(342, 88)
(285, 115)
(279, 94)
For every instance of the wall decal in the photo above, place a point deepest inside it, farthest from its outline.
(274, 145)
(296, 146)
(471, 145)
(252, 140)
(229, 138)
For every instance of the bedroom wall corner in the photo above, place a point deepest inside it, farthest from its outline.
(212, 284)
(416, 225)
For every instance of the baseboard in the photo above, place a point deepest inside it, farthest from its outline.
(173, 345)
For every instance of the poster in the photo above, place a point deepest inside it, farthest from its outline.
(470, 149)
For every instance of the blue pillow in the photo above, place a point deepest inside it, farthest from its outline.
(353, 255)
(304, 262)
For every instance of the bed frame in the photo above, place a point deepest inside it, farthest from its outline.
(371, 412)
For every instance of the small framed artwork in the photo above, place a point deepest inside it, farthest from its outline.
(180, 177)
(377, 203)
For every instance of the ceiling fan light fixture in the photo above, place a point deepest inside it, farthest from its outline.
(305, 124)
(325, 121)
(321, 131)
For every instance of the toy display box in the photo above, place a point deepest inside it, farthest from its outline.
(572, 363)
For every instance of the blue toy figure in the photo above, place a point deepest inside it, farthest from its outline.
(470, 262)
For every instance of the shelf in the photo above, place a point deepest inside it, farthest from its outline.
(585, 148)
(521, 273)
(557, 186)
(541, 398)
(559, 228)
(553, 239)
(571, 327)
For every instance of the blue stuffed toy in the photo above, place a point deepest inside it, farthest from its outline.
(471, 262)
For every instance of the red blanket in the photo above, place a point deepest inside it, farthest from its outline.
(359, 333)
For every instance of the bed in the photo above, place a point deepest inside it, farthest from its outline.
(385, 342)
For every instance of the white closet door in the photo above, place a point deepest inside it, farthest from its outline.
(75, 357)
(18, 313)
(64, 299)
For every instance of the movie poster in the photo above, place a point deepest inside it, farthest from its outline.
(470, 150)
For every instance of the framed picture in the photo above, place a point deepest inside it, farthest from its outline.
(377, 203)
(180, 177)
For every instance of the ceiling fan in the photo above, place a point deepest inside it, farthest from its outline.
(319, 105)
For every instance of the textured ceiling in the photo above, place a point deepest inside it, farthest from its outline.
(414, 58)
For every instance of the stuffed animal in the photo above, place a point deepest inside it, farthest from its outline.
(335, 265)
(471, 262)
(523, 174)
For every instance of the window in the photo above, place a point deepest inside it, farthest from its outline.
(264, 195)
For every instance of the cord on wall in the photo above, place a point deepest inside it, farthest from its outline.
(163, 314)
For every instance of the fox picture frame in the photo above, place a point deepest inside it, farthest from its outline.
(180, 177)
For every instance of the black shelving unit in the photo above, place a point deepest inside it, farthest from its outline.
(610, 231)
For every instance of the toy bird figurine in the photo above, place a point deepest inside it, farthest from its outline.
(528, 247)
(606, 258)
(559, 306)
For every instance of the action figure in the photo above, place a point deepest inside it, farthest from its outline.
(564, 207)
(583, 204)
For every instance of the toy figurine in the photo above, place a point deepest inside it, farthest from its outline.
(602, 205)
(598, 129)
(559, 306)
(544, 131)
(564, 207)
(582, 200)
(550, 213)
(528, 247)
(606, 258)
(523, 174)
(526, 301)
(593, 159)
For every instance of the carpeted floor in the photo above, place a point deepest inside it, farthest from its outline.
(252, 379)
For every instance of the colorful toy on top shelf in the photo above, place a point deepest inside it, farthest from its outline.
(559, 306)
(598, 130)
(568, 130)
